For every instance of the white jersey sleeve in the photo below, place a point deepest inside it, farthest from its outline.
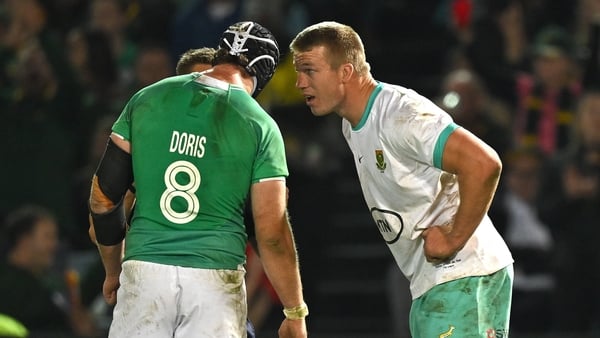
(417, 128)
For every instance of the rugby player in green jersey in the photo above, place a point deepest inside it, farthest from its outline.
(199, 146)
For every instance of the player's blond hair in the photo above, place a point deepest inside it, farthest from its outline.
(341, 41)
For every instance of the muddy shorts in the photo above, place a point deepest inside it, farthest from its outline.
(470, 307)
(157, 300)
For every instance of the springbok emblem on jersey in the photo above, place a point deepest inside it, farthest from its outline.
(381, 165)
(447, 333)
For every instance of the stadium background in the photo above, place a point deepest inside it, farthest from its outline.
(57, 103)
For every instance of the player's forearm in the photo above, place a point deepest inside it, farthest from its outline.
(477, 189)
(477, 167)
(280, 261)
(111, 258)
(275, 241)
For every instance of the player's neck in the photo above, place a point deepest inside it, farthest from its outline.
(357, 97)
(232, 74)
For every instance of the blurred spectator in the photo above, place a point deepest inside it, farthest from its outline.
(498, 47)
(274, 18)
(458, 16)
(152, 63)
(32, 240)
(112, 17)
(39, 105)
(543, 13)
(466, 99)
(90, 55)
(398, 50)
(26, 31)
(349, 11)
(201, 22)
(530, 242)
(286, 17)
(63, 15)
(38, 137)
(27, 20)
(96, 72)
(569, 204)
(587, 35)
(151, 19)
(547, 97)
(82, 177)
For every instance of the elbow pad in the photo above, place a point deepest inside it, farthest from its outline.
(115, 172)
(110, 226)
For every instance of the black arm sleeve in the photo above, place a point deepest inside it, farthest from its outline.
(110, 227)
(115, 172)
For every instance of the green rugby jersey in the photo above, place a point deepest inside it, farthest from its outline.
(197, 145)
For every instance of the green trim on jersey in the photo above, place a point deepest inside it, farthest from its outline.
(367, 111)
(197, 146)
(438, 152)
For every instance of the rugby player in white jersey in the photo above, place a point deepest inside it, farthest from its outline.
(427, 182)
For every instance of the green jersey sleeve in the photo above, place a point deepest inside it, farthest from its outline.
(122, 125)
(270, 159)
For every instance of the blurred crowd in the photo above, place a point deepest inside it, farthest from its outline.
(523, 75)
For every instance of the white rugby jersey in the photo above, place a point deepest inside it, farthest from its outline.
(397, 149)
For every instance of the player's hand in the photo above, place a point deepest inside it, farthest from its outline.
(295, 328)
(109, 289)
(437, 245)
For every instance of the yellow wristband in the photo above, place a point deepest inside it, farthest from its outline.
(298, 312)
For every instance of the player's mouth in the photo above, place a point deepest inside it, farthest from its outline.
(309, 99)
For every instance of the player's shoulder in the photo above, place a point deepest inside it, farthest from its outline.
(394, 100)
(399, 94)
(403, 108)
(220, 89)
(238, 101)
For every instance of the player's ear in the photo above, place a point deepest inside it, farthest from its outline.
(347, 71)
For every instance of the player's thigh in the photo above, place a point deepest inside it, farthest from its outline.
(146, 301)
(213, 303)
(470, 307)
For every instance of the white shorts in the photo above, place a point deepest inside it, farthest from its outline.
(159, 301)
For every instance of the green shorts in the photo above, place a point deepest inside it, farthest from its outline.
(470, 307)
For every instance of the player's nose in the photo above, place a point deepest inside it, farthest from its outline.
(301, 81)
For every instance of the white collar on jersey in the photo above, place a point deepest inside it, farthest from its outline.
(211, 81)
